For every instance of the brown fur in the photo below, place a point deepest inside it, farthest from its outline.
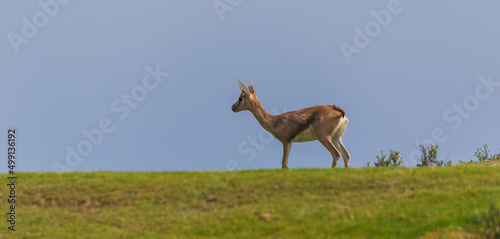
(326, 124)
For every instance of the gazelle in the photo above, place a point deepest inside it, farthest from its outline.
(325, 123)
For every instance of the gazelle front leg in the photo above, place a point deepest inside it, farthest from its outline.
(286, 152)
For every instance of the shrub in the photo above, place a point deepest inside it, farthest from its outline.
(429, 157)
(482, 153)
(393, 161)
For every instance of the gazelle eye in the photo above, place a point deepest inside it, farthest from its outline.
(241, 99)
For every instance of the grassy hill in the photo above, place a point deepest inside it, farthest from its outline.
(298, 203)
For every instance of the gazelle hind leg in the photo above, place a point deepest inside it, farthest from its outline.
(327, 142)
(340, 146)
(323, 131)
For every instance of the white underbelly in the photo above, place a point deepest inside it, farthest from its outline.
(306, 136)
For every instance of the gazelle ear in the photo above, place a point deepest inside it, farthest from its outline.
(243, 87)
(250, 87)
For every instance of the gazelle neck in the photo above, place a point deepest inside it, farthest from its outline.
(264, 118)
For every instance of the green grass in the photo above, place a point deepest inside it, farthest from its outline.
(296, 203)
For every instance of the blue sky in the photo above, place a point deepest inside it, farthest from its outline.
(411, 72)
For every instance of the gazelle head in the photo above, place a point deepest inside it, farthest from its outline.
(247, 98)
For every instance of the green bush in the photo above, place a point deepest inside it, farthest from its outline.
(393, 161)
(429, 157)
(482, 153)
